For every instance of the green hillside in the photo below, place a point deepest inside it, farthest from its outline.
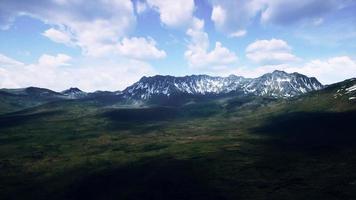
(225, 148)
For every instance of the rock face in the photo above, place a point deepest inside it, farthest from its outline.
(276, 84)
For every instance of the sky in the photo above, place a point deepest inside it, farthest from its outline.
(110, 44)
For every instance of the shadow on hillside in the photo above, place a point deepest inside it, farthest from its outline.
(140, 120)
(308, 130)
(141, 114)
(310, 155)
(143, 120)
(16, 119)
(154, 179)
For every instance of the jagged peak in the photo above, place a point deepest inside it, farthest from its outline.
(144, 78)
(286, 74)
(156, 77)
(234, 76)
(279, 72)
(72, 89)
(274, 74)
(74, 93)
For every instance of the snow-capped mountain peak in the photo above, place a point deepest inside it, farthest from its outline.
(282, 84)
(275, 84)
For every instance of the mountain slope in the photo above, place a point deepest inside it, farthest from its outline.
(346, 89)
(34, 92)
(17, 99)
(335, 97)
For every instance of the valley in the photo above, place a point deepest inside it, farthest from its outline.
(228, 146)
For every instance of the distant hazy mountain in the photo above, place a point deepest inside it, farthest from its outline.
(74, 93)
(33, 92)
(17, 99)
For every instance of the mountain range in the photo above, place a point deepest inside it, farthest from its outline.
(277, 84)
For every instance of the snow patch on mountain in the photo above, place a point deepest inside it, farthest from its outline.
(350, 89)
(347, 89)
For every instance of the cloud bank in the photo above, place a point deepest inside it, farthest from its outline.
(58, 73)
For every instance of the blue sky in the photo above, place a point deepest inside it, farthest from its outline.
(108, 45)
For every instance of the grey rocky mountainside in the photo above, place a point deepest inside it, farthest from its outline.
(276, 84)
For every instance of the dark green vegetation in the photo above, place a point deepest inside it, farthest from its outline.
(225, 148)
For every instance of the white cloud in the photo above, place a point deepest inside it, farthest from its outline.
(328, 71)
(100, 28)
(58, 60)
(43, 73)
(110, 75)
(94, 26)
(174, 13)
(199, 38)
(58, 36)
(239, 33)
(141, 7)
(219, 56)
(268, 45)
(96, 37)
(55, 73)
(198, 55)
(6, 61)
(135, 47)
(285, 12)
(140, 48)
(270, 52)
(218, 15)
(230, 16)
